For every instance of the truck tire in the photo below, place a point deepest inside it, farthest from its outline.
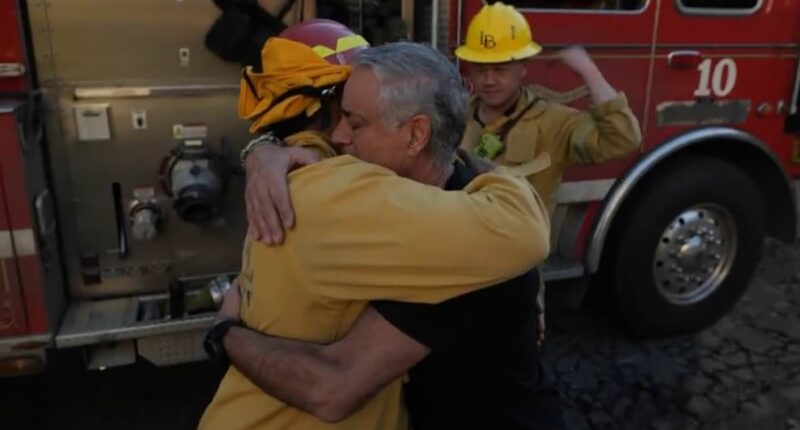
(688, 247)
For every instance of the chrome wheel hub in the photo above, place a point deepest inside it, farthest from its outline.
(694, 254)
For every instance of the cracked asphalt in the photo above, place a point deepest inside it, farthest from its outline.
(742, 373)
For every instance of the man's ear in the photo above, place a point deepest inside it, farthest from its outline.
(420, 137)
(524, 64)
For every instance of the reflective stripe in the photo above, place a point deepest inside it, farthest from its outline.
(343, 44)
(24, 242)
(582, 191)
(11, 70)
(323, 51)
(350, 42)
(9, 344)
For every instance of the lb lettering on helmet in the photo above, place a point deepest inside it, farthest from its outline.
(498, 34)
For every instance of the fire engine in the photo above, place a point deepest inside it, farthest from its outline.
(121, 199)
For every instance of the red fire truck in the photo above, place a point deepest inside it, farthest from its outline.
(119, 202)
(679, 228)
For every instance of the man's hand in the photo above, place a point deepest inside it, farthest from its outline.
(577, 59)
(269, 209)
(231, 304)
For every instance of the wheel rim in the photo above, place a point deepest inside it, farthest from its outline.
(695, 254)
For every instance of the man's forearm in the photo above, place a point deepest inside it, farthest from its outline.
(297, 373)
(599, 88)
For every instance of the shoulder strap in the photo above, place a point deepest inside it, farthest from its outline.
(513, 121)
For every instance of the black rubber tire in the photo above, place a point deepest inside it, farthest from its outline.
(685, 183)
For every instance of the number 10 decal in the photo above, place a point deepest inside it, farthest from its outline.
(721, 81)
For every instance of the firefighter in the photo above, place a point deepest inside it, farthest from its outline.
(284, 100)
(511, 125)
(337, 45)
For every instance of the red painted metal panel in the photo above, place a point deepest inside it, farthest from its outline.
(20, 209)
(19, 219)
(33, 294)
(586, 229)
(560, 27)
(764, 58)
(12, 307)
(776, 22)
(11, 45)
(764, 78)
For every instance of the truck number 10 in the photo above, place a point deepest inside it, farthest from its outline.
(721, 80)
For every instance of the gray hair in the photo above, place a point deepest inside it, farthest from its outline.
(417, 79)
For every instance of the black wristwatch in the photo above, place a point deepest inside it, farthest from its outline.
(213, 341)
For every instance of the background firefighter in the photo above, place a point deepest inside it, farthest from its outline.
(512, 126)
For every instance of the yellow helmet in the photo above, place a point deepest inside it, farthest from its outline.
(498, 34)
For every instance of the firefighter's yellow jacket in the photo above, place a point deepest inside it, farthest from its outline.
(567, 136)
